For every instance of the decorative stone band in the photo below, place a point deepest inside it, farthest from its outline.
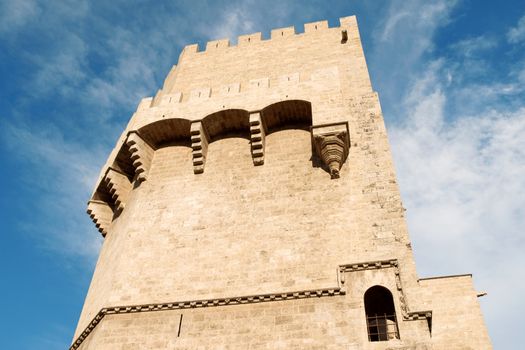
(101, 214)
(332, 142)
(257, 138)
(382, 264)
(261, 298)
(199, 144)
(118, 186)
(141, 155)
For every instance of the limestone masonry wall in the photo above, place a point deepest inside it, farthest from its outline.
(235, 197)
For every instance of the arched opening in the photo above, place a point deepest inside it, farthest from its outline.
(228, 134)
(291, 114)
(380, 312)
(166, 132)
(227, 123)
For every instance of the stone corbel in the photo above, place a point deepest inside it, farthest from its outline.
(199, 144)
(101, 214)
(331, 143)
(257, 137)
(141, 155)
(119, 187)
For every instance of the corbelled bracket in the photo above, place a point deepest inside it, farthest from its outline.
(101, 214)
(331, 143)
(257, 138)
(141, 155)
(199, 144)
(119, 187)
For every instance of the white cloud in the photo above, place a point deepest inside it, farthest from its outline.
(462, 182)
(63, 70)
(393, 20)
(60, 174)
(517, 34)
(460, 175)
(456, 126)
(128, 60)
(235, 21)
(402, 36)
(246, 17)
(472, 46)
(15, 14)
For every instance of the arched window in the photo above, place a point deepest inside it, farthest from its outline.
(380, 314)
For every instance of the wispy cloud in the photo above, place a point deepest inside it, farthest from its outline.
(89, 68)
(455, 121)
(64, 172)
(474, 46)
(462, 183)
(517, 34)
(459, 153)
(15, 14)
(234, 22)
(402, 36)
(62, 71)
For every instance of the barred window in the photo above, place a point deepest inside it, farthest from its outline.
(380, 314)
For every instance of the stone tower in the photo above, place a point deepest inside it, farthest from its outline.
(253, 204)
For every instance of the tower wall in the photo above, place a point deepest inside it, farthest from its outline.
(255, 195)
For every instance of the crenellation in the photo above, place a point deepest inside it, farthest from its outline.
(157, 98)
(315, 27)
(249, 39)
(348, 22)
(144, 104)
(248, 253)
(190, 49)
(200, 94)
(260, 83)
(289, 79)
(281, 33)
(217, 44)
(231, 89)
(171, 98)
(275, 34)
(170, 78)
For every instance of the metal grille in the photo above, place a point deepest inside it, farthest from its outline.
(382, 327)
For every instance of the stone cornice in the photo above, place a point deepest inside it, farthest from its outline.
(191, 304)
(262, 298)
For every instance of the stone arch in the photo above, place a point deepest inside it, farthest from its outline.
(222, 124)
(380, 313)
(165, 132)
(287, 114)
(131, 164)
(227, 123)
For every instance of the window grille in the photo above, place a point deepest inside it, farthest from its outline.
(382, 327)
(380, 313)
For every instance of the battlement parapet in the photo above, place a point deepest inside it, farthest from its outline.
(281, 33)
(275, 34)
(323, 79)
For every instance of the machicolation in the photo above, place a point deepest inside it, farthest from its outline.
(252, 203)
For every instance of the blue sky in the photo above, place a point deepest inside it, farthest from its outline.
(451, 78)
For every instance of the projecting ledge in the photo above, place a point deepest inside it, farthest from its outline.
(331, 143)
